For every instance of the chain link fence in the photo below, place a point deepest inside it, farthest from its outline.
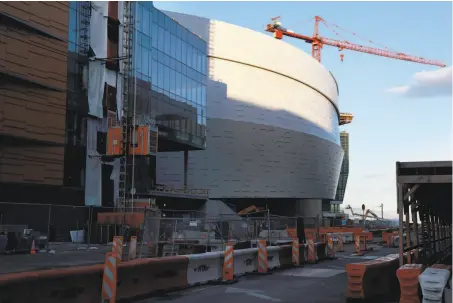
(159, 232)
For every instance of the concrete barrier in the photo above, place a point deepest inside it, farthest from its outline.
(137, 278)
(433, 282)
(245, 261)
(143, 277)
(77, 284)
(321, 251)
(372, 279)
(204, 268)
(408, 275)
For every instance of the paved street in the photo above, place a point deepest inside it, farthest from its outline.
(322, 282)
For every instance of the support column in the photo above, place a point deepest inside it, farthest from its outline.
(408, 231)
(186, 167)
(401, 218)
(415, 224)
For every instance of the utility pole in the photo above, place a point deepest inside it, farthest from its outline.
(382, 211)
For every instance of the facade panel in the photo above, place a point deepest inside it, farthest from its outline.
(33, 60)
(272, 122)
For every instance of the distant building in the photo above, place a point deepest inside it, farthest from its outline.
(344, 173)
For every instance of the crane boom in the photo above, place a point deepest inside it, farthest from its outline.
(379, 52)
(317, 43)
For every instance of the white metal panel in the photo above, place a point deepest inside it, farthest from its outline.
(269, 134)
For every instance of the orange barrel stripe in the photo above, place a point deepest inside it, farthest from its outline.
(295, 254)
(117, 248)
(133, 248)
(228, 263)
(357, 244)
(311, 251)
(109, 279)
(330, 246)
(340, 243)
(262, 256)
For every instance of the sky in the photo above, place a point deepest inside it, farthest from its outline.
(402, 110)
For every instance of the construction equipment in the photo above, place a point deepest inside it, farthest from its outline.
(317, 42)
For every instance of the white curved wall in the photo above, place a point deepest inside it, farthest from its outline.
(272, 120)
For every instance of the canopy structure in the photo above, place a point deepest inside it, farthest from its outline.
(424, 192)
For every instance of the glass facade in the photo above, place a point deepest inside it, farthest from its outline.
(77, 101)
(170, 64)
(344, 173)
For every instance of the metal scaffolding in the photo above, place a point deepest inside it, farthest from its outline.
(425, 198)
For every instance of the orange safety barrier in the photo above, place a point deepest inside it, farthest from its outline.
(295, 253)
(408, 277)
(311, 256)
(340, 247)
(371, 279)
(133, 248)
(109, 279)
(228, 263)
(262, 257)
(117, 248)
(330, 247)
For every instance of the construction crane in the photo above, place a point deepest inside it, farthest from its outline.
(317, 42)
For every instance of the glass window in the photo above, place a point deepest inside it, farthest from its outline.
(178, 49)
(160, 43)
(194, 58)
(183, 86)
(155, 34)
(166, 78)
(173, 46)
(160, 78)
(153, 72)
(145, 26)
(156, 16)
(189, 55)
(161, 18)
(178, 84)
(167, 42)
(140, 17)
(204, 61)
(172, 81)
(184, 52)
(138, 60)
(203, 95)
(145, 63)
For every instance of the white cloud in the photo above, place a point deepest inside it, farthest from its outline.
(424, 84)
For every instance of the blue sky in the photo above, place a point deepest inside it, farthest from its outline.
(388, 126)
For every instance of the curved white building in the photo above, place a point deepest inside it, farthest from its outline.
(272, 120)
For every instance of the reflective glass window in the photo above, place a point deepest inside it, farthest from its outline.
(184, 52)
(173, 46)
(166, 78)
(178, 84)
(140, 17)
(155, 35)
(203, 95)
(167, 42)
(183, 86)
(160, 78)
(172, 81)
(153, 72)
(160, 43)
(146, 20)
(194, 58)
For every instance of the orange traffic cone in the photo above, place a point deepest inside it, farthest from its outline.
(33, 249)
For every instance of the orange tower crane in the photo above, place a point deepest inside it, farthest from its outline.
(317, 42)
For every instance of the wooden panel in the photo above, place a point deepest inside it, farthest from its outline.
(27, 110)
(34, 164)
(33, 113)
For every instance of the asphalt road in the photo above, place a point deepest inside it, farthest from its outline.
(322, 282)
